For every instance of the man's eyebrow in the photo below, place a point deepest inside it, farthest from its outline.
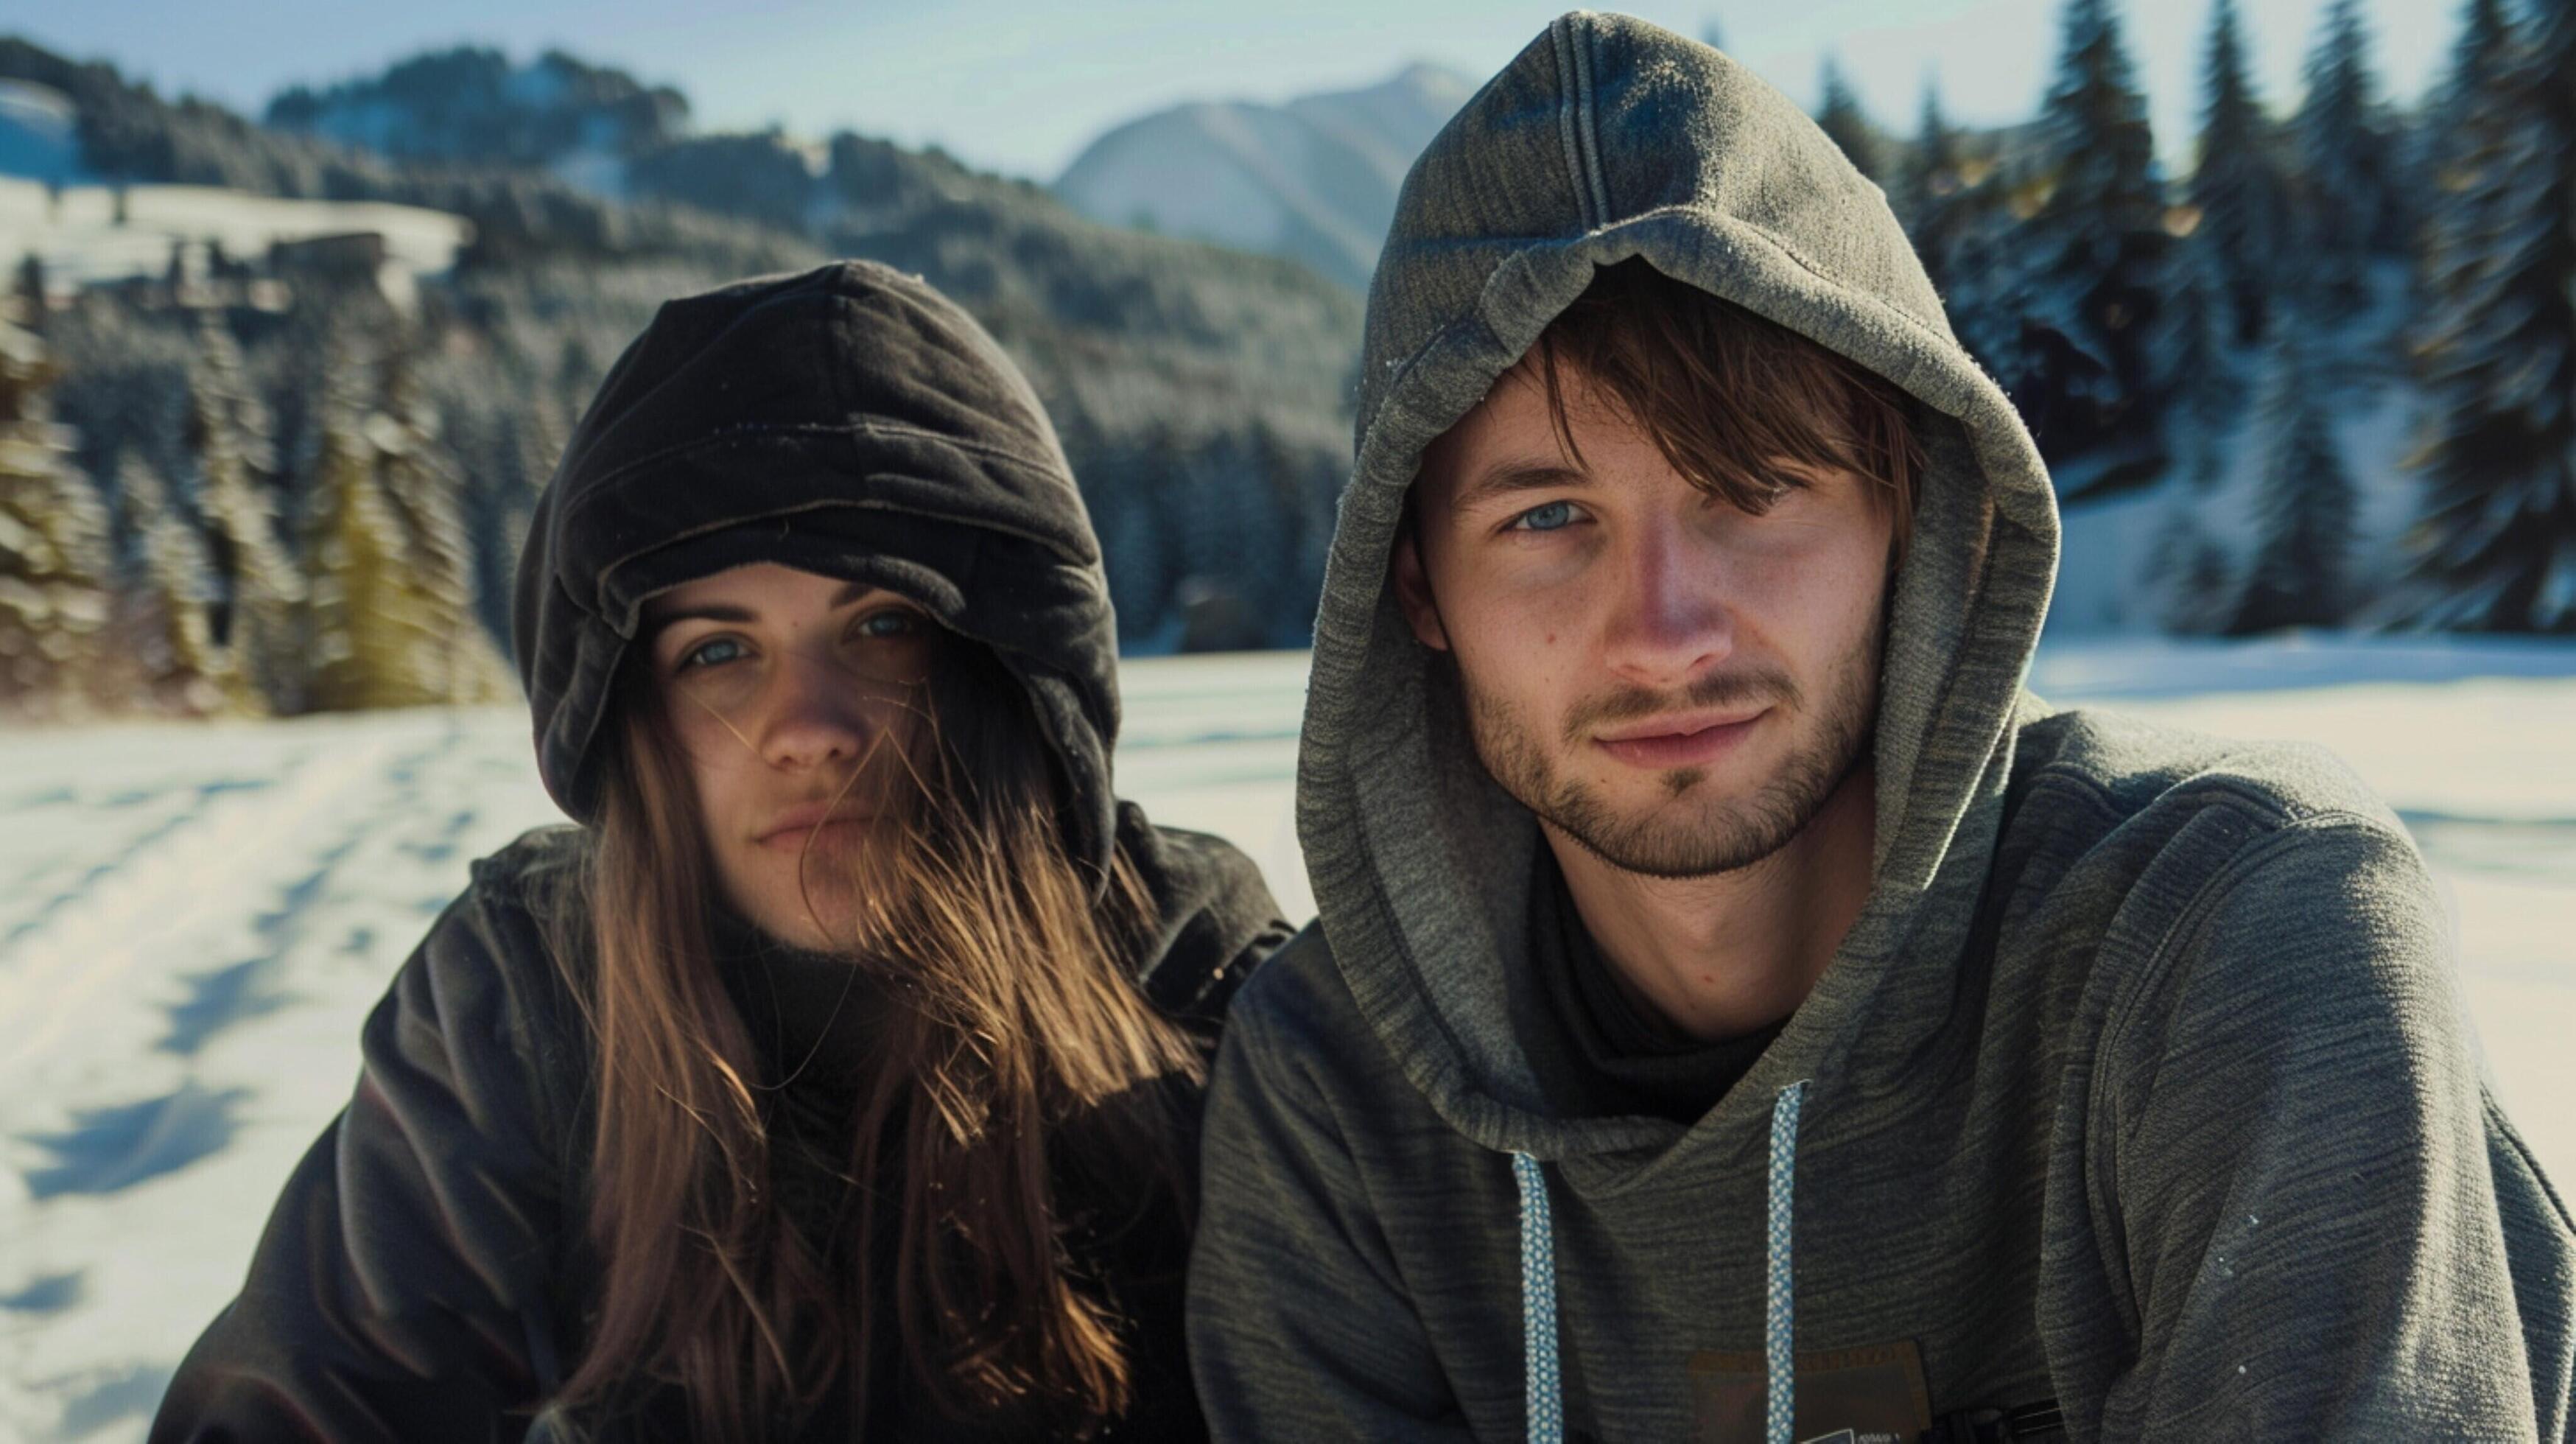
(1504, 479)
(655, 621)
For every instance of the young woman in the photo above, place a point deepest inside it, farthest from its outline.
(836, 1077)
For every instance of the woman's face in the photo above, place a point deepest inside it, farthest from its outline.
(795, 700)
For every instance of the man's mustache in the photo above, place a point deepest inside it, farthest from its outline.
(1717, 689)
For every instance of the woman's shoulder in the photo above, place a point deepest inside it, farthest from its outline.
(1216, 917)
(487, 978)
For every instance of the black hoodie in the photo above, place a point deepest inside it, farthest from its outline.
(424, 1274)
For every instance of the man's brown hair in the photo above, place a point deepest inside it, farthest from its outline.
(1729, 396)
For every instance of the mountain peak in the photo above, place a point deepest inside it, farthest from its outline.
(1312, 179)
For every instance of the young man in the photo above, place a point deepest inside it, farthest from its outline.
(1739, 1010)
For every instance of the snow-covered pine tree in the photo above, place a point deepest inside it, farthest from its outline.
(2495, 546)
(424, 489)
(1957, 212)
(2188, 573)
(53, 545)
(1307, 486)
(1840, 116)
(2094, 251)
(2203, 374)
(2350, 205)
(372, 642)
(1927, 191)
(29, 287)
(2236, 186)
(2300, 571)
(257, 586)
(163, 655)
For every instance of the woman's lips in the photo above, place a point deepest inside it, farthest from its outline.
(795, 836)
(1663, 750)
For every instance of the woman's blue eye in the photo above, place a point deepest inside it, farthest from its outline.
(1550, 517)
(711, 652)
(892, 622)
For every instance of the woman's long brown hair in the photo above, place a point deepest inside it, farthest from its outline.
(1014, 1027)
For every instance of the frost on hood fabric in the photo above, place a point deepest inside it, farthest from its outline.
(2139, 1084)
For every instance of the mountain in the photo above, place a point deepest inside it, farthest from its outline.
(1203, 393)
(1313, 181)
(472, 103)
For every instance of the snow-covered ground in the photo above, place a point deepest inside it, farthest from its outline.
(193, 920)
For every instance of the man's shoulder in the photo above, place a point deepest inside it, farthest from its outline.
(2236, 873)
(2272, 864)
(1297, 1010)
(1299, 992)
(2130, 772)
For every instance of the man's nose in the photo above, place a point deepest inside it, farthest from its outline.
(1669, 618)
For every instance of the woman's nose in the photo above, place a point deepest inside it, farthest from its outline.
(812, 714)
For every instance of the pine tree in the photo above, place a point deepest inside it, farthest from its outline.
(372, 642)
(2300, 573)
(2495, 548)
(2235, 186)
(257, 587)
(53, 544)
(2094, 249)
(424, 490)
(1928, 187)
(2351, 214)
(1841, 118)
(2189, 574)
(1956, 211)
(34, 296)
(2204, 380)
(163, 653)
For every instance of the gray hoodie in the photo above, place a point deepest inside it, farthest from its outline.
(2140, 1086)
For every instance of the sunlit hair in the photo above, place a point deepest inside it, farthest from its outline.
(1727, 395)
(1017, 1027)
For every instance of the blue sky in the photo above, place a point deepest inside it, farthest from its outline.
(1020, 85)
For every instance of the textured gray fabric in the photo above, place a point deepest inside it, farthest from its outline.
(2141, 1083)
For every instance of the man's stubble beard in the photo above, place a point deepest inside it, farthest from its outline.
(1722, 836)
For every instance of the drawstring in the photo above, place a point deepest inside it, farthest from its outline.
(1538, 1287)
(1779, 1324)
(1538, 1305)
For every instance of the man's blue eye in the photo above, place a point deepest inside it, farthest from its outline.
(711, 652)
(1545, 518)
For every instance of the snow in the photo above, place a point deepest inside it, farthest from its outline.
(76, 235)
(197, 917)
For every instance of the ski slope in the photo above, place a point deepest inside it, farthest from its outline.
(194, 918)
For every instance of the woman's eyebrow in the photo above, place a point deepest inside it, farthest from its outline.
(655, 620)
(705, 612)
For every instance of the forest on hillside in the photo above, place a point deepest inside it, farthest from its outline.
(264, 484)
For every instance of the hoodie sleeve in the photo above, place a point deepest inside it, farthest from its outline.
(1298, 1325)
(2297, 1174)
(400, 1289)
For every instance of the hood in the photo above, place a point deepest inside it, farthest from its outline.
(1609, 139)
(850, 421)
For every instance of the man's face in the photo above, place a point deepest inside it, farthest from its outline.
(1672, 682)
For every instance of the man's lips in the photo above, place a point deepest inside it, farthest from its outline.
(1679, 741)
